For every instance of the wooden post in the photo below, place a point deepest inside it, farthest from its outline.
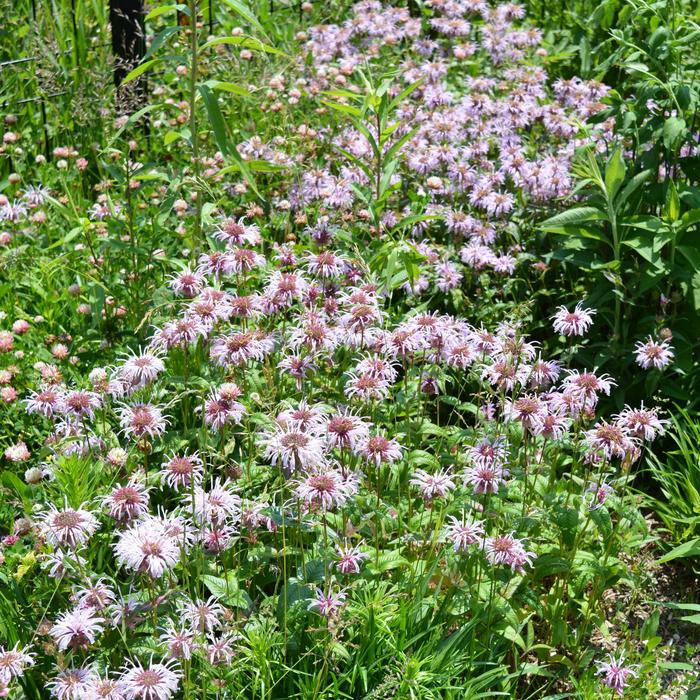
(129, 48)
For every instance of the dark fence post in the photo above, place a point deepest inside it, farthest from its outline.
(129, 48)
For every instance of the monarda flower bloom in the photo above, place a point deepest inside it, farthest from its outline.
(13, 662)
(141, 370)
(506, 375)
(97, 596)
(179, 471)
(615, 673)
(642, 423)
(326, 264)
(543, 373)
(217, 505)
(576, 322)
(17, 452)
(346, 431)
(221, 406)
(179, 640)
(380, 450)
(187, 283)
(219, 650)
(152, 682)
(328, 604)
(201, 615)
(610, 440)
(488, 452)
(80, 404)
(367, 387)
(550, 425)
(128, 502)
(45, 402)
(433, 486)
(485, 478)
(148, 547)
(505, 549)
(325, 488)
(598, 493)
(72, 683)
(377, 367)
(653, 353)
(586, 386)
(292, 449)
(313, 333)
(237, 348)
(77, 629)
(526, 409)
(105, 689)
(237, 233)
(142, 420)
(298, 367)
(349, 559)
(464, 532)
(308, 418)
(68, 528)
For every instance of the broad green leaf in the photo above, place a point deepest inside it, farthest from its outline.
(634, 184)
(245, 42)
(687, 549)
(674, 128)
(228, 87)
(577, 215)
(166, 9)
(244, 11)
(615, 172)
(139, 70)
(345, 109)
(672, 206)
(216, 120)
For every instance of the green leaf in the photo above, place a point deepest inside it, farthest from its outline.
(672, 206)
(634, 183)
(228, 87)
(343, 108)
(166, 9)
(577, 215)
(215, 119)
(139, 70)
(615, 172)
(227, 590)
(674, 128)
(244, 11)
(245, 42)
(687, 549)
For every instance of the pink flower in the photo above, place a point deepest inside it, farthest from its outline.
(153, 682)
(328, 604)
(181, 470)
(13, 662)
(615, 673)
(68, 528)
(380, 449)
(326, 488)
(77, 628)
(142, 420)
(505, 549)
(292, 448)
(148, 546)
(576, 322)
(127, 502)
(432, 486)
(17, 452)
(349, 559)
(464, 532)
(653, 354)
